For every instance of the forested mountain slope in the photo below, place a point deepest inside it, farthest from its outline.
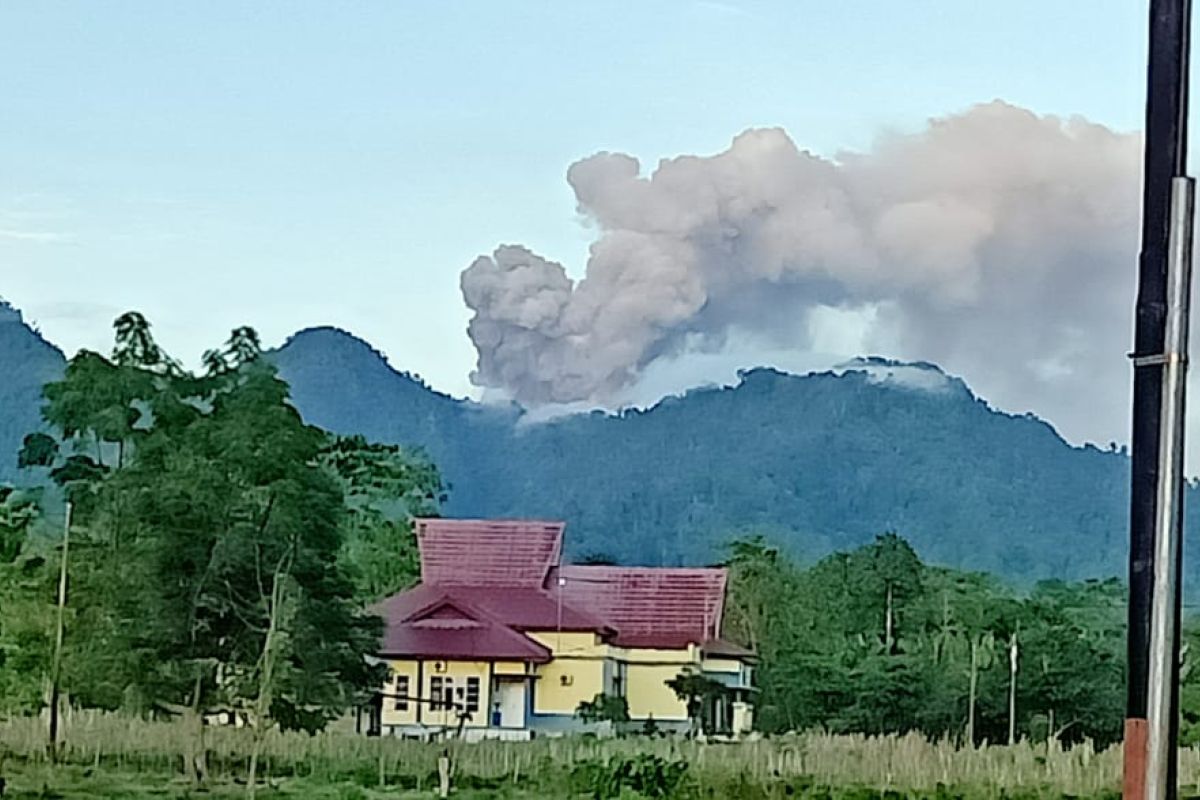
(816, 463)
(27, 362)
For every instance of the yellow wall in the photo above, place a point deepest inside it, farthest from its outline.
(584, 679)
(647, 692)
(649, 655)
(571, 643)
(583, 657)
(510, 668)
(458, 671)
(584, 660)
(389, 714)
(722, 665)
(579, 657)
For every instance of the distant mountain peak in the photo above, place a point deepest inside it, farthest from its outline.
(9, 312)
(332, 336)
(911, 375)
(348, 351)
(15, 327)
(27, 362)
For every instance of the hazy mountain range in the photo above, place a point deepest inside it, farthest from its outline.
(814, 463)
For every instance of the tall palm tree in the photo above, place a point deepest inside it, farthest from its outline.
(243, 346)
(135, 346)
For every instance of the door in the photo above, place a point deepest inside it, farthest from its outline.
(509, 700)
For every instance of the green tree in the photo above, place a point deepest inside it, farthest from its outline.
(18, 511)
(384, 487)
(699, 693)
(604, 708)
(24, 631)
(212, 580)
(828, 661)
(759, 584)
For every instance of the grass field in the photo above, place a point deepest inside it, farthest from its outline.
(110, 756)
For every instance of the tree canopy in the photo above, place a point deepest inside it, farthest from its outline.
(874, 641)
(222, 548)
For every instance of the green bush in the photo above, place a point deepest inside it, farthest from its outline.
(645, 774)
(603, 708)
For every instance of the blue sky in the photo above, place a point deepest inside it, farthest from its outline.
(294, 164)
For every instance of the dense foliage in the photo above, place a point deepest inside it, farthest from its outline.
(644, 775)
(819, 463)
(874, 641)
(221, 550)
(384, 487)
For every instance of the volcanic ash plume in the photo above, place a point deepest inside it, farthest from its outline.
(993, 237)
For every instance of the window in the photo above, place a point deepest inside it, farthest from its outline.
(441, 691)
(400, 692)
(472, 695)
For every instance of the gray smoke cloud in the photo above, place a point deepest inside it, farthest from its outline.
(996, 242)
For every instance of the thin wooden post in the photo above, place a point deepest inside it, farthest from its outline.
(444, 774)
(59, 635)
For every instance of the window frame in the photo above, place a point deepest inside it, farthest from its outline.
(401, 686)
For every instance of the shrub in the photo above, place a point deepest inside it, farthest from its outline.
(604, 708)
(646, 774)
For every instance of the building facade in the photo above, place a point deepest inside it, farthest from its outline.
(501, 639)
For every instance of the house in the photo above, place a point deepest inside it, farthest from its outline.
(501, 639)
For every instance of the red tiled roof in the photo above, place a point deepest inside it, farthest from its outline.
(521, 608)
(477, 552)
(486, 581)
(448, 628)
(650, 607)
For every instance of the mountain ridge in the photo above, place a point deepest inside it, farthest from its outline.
(27, 362)
(498, 465)
(815, 462)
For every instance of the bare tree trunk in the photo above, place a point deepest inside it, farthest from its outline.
(252, 776)
(974, 680)
(266, 672)
(1012, 689)
(887, 632)
(59, 635)
(195, 758)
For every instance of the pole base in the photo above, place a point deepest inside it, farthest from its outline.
(1133, 786)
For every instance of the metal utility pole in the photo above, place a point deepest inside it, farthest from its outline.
(1162, 696)
(1159, 358)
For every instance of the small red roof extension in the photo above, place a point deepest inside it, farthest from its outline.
(650, 606)
(519, 607)
(449, 628)
(482, 552)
